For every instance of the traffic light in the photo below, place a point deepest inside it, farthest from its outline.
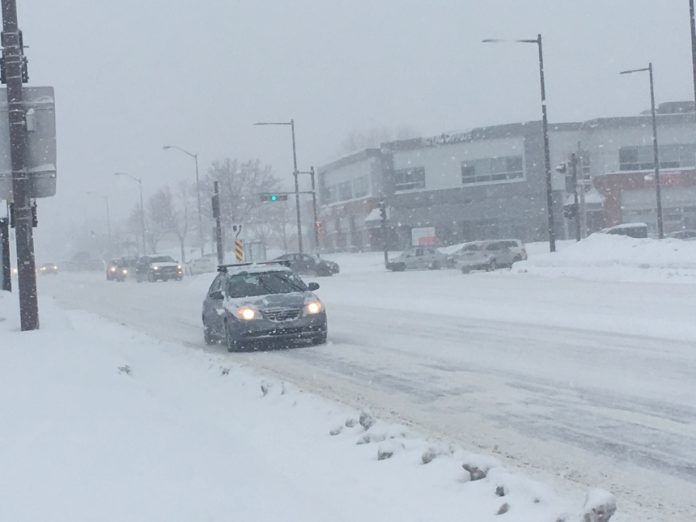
(382, 210)
(273, 197)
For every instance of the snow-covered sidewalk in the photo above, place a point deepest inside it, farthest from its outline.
(98, 422)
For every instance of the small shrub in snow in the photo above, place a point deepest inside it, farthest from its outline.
(475, 473)
(500, 491)
(350, 423)
(600, 506)
(224, 371)
(387, 450)
(366, 420)
(368, 438)
(336, 431)
(503, 509)
(429, 455)
(125, 369)
(265, 388)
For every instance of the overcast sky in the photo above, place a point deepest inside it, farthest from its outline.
(132, 75)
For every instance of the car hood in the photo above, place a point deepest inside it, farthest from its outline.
(266, 302)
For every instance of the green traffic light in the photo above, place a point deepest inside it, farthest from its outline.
(274, 197)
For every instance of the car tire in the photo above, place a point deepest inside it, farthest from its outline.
(151, 277)
(232, 344)
(208, 339)
(491, 266)
(400, 267)
(320, 339)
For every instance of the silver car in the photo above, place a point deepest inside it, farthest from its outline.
(505, 252)
(473, 256)
(418, 258)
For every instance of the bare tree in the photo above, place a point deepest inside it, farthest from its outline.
(167, 216)
(241, 184)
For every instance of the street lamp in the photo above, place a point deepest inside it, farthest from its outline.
(314, 208)
(139, 181)
(656, 160)
(108, 214)
(295, 173)
(545, 127)
(198, 191)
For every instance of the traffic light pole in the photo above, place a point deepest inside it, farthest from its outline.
(26, 265)
(385, 240)
(574, 178)
(5, 249)
(218, 224)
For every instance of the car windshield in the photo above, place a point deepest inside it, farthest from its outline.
(162, 259)
(264, 283)
(471, 248)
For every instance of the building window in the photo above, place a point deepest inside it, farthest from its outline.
(672, 156)
(329, 194)
(409, 179)
(493, 170)
(361, 187)
(345, 191)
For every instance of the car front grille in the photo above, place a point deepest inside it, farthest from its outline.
(282, 315)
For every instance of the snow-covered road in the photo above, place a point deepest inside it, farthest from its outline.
(590, 381)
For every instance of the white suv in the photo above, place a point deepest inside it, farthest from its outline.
(505, 252)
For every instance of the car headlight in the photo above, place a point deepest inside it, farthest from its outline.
(112, 269)
(246, 313)
(178, 267)
(313, 307)
(125, 270)
(155, 268)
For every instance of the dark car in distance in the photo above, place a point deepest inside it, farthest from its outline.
(307, 264)
(158, 268)
(117, 270)
(250, 304)
(48, 268)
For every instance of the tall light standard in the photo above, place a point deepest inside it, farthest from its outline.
(295, 173)
(139, 181)
(692, 20)
(314, 208)
(198, 192)
(108, 214)
(545, 127)
(656, 159)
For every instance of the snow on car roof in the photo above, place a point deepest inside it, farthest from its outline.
(255, 268)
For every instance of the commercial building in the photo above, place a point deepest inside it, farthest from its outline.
(491, 183)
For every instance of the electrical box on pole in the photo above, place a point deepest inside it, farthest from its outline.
(218, 223)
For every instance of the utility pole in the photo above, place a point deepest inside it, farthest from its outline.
(692, 20)
(5, 250)
(574, 181)
(385, 239)
(218, 224)
(15, 73)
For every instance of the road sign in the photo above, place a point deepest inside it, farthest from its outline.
(40, 156)
(239, 250)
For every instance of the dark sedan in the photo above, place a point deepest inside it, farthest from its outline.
(306, 264)
(260, 303)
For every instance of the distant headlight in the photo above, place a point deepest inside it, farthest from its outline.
(155, 268)
(112, 269)
(125, 270)
(313, 307)
(178, 267)
(55, 267)
(246, 313)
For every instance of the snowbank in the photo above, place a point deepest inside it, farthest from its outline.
(102, 423)
(618, 258)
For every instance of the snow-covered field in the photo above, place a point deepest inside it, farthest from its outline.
(102, 423)
(578, 380)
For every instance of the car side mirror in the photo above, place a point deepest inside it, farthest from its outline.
(313, 286)
(216, 295)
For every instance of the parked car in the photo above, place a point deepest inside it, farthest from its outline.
(154, 268)
(263, 302)
(418, 258)
(48, 268)
(686, 235)
(636, 230)
(472, 256)
(307, 264)
(202, 265)
(505, 252)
